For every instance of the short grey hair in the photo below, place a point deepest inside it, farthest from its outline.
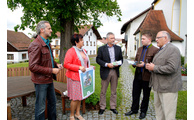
(40, 25)
(167, 35)
(109, 33)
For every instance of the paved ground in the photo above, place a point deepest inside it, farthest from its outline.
(27, 113)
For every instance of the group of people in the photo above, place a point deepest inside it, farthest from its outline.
(157, 68)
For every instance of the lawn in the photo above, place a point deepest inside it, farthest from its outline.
(23, 64)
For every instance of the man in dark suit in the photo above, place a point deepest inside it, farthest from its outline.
(109, 72)
(142, 75)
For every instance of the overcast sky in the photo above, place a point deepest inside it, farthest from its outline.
(129, 9)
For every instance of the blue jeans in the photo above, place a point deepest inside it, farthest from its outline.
(44, 91)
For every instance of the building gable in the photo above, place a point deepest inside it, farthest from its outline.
(155, 22)
(17, 40)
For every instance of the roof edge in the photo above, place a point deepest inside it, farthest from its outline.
(124, 27)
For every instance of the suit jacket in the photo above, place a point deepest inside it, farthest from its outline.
(149, 55)
(104, 57)
(166, 76)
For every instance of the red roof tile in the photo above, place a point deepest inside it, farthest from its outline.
(155, 22)
(18, 40)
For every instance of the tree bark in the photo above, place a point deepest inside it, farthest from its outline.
(65, 42)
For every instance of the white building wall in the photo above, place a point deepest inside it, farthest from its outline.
(183, 25)
(175, 12)
(131, 28)
(54, 43)
(18, 57)
(90, 38)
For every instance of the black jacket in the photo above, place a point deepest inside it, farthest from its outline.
(104, 57)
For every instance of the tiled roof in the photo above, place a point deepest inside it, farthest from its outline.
(18, 40)
(155, 22)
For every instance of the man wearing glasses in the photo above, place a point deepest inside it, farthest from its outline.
(165, 77)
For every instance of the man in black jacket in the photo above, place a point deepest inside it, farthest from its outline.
(109, 72)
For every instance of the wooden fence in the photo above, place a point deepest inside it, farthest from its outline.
(24, 71)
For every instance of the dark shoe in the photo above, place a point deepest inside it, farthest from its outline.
(101, 111)
(130, 113)
(114, 111)
(142, 115)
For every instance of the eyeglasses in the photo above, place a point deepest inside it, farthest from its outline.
(159, 37)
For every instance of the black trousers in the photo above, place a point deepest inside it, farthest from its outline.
(138, 85)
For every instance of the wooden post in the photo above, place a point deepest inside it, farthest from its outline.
(9, 111)
(24, 103)
(12, 72)
(83, 106)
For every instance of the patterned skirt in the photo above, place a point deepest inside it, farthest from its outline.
(74, 89)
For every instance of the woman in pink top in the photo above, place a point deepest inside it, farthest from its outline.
(75, 59)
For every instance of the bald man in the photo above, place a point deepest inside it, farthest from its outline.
(165, 77)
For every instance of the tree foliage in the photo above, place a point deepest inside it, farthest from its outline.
(61, 13)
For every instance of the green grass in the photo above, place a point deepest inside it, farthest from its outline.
(132, 69)
(24, 64)
(181, 112)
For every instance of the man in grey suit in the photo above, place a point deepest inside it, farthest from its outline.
(165, 77)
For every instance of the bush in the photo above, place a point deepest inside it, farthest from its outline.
(184, 69)
(93, 99)
(182, 60)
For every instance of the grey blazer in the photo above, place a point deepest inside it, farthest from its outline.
(166, 76)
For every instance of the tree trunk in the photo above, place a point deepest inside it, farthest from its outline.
(65, 42)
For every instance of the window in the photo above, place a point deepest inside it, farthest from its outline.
(90, 52)
(94, 52)
(86, 43)
(91, 34)
(94, 44)
(10, 56)
(24, 56)
(90, 43)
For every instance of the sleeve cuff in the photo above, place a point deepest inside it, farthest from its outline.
(106, 64)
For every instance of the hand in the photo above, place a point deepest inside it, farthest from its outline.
(110, 65)
(141, 64)
(56, 70)
(82, 68)
(60, 66)
(150, 66)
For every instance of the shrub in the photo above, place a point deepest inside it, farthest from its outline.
(182, 60)
(184, 69)
(93, 99)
